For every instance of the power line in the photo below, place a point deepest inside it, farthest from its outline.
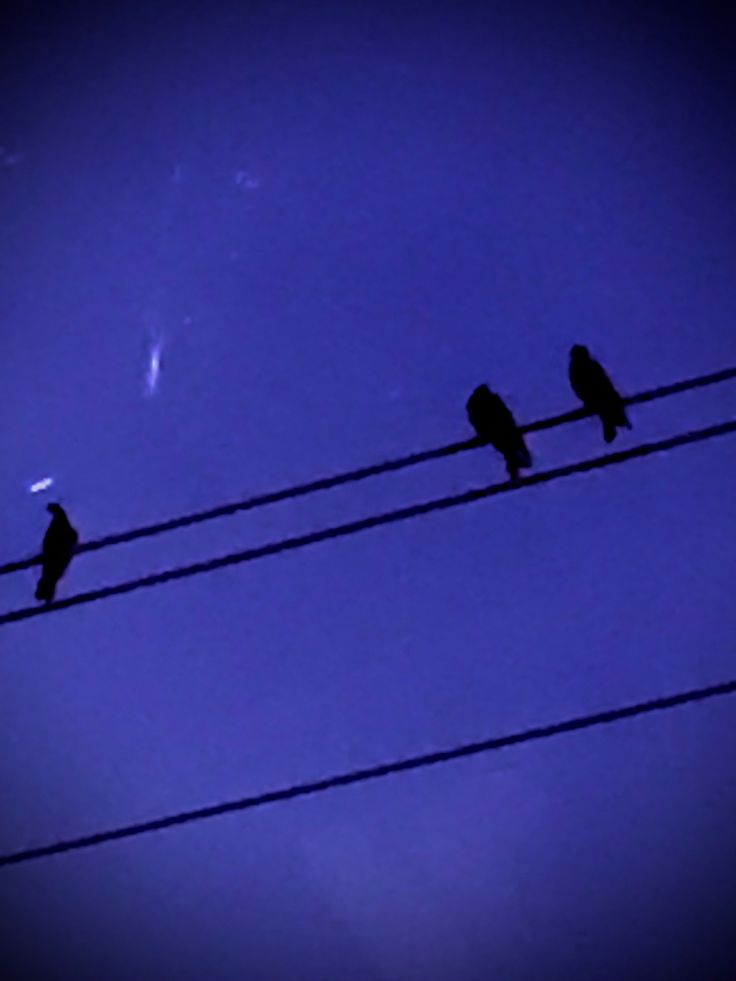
(373, 773)
(374, 521)
(353, 476)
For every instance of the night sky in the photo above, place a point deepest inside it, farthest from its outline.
(247, 245)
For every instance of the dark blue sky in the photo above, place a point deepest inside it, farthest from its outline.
(333, 221)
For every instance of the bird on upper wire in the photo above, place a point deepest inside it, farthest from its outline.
(59, 544)
(597, 392)
(494, 423)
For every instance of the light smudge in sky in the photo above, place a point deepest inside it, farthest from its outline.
(247, 181)
(8, 159)
(153, 370)
(40, 485)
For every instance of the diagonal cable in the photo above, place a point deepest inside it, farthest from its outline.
(374, 521)
(363, 473)
(352, 777)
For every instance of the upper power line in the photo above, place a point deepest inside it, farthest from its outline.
(353, 476)
(373, 772)
(374, 521)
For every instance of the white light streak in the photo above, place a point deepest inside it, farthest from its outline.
(153, 372)
(41, 485)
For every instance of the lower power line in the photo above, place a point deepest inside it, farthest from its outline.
(374, 772)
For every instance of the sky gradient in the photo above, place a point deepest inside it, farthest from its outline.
(247, 245)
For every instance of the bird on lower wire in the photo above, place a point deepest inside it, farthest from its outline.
(597, 392)
(494, 423)
(57, 550)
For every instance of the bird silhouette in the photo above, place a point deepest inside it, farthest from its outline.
(58, 547)
(597, 392)
(494, 423)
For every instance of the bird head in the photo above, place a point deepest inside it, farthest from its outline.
(579, 351)
(54, 508)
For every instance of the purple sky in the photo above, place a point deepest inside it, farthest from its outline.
(333, 220)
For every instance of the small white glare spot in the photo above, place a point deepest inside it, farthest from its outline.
(41, 485)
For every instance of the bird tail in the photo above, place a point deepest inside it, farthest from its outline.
(46, 589)
(519, 458)
(617, 411)
(614, 420)
(523, 456)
